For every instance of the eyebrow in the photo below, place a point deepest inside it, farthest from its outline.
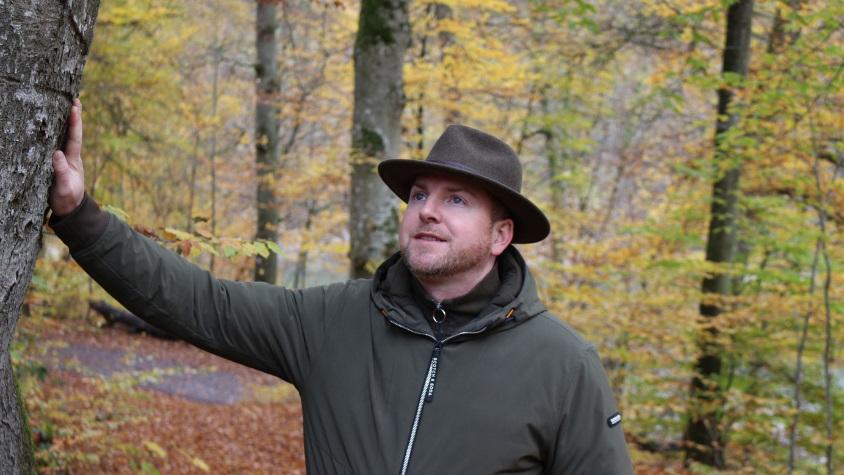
(455, 189)
(450, 189)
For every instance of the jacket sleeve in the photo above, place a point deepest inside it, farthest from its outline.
(590, 439)
(260, 325)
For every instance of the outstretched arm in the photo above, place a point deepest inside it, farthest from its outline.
(263, 326)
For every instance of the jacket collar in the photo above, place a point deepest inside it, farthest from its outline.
(515, 302)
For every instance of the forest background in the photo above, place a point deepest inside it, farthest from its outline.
(612, 107)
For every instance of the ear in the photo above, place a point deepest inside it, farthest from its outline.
(502, 236)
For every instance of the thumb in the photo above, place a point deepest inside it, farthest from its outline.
(60, 166)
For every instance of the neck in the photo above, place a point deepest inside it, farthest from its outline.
(453, 286)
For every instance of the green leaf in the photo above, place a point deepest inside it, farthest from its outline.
(149, 469)
(261, 249)
(40, 283)
(208, 248)
(274, 247)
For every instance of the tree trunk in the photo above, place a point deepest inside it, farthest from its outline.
(267, 90)
(382, 39)
(42, 52)
(704, 438)
(212, 152)
(194, 164)
(301, 274)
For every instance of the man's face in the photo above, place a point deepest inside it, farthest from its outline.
(447, 228)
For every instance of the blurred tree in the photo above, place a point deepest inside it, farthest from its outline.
(42, 55)
(704, 435)
(610, 105)
(267, 88)
(383, 36)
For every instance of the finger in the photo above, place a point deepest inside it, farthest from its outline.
(60, 166)
(73, 146)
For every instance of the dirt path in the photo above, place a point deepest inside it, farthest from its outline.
(170, 376)
(115, 402)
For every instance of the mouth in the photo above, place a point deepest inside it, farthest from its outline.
(431, 237)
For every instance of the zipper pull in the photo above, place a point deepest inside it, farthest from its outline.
(435, 360)
(439, 313)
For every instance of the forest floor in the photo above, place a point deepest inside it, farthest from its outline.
(102, 400)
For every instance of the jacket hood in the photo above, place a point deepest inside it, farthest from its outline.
(515, 302)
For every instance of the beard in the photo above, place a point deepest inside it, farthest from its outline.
(449, 263)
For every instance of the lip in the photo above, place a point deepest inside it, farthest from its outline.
(428, 237)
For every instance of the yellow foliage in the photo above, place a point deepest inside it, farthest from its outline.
(614, 124)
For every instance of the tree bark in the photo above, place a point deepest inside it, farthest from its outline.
(43, 44)
(267, 88)
(301, 274)
(383, 37)
(704, 440)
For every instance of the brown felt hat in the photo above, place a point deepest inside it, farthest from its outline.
(470, 153)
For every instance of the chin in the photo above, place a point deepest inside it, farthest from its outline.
(420, 262)
(424, 265)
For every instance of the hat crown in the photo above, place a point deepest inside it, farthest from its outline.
(478, 153)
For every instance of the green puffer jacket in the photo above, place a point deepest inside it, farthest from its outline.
(514, 391)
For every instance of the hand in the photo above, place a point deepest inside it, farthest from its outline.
(69, 180)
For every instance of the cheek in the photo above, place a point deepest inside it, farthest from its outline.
(473, 225)
(404, 230)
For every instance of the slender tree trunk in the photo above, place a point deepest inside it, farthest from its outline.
(823, 215)
(301, 274)
(267, 90)
(446, 39)
(704, 438)
(212, 154)
(778, 40)
(420, 108)
(42, 53)
(382, 39)
(436, 13)
(194, 161)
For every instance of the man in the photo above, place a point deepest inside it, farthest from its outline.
(445, 362)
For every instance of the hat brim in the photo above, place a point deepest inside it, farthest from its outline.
(529, 222)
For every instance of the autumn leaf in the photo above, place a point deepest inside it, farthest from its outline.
(155, 449)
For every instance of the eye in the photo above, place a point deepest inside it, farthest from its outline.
(458, 200)
(417, 196)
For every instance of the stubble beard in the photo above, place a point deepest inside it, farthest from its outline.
(448, 265)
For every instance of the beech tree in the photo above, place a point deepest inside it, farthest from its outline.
(266, 134)
(704, 435)
(382, 38)
(42, 53)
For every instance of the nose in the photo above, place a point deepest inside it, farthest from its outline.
(429, 212)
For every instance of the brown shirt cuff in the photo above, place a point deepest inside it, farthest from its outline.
(82, 227)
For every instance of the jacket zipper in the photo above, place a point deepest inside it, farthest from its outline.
(427, 394)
